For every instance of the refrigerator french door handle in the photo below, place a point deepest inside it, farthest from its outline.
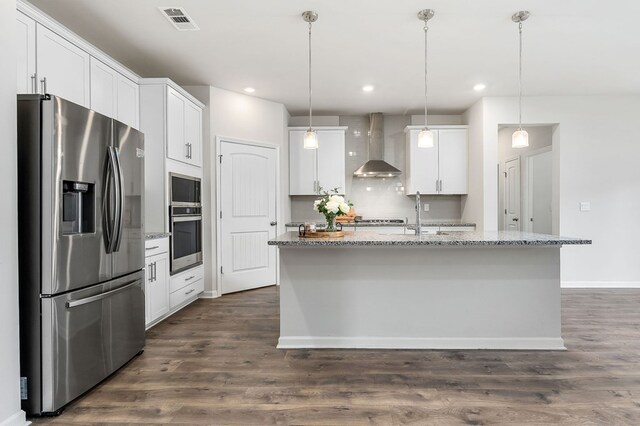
(79, 302)
(119, 201)
(110, 183)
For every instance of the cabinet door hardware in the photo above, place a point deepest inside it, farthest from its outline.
(152, 248)
(33, 83)
(190, 291)
(190, 278)
(43, 85)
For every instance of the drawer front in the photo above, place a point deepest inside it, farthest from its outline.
(157, 246)
(188, 292)
(186, 278)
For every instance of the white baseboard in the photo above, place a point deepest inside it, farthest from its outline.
(209, 295)
(524, 343)
(18, 419)
(600, 284)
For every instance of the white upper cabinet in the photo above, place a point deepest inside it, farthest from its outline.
(184, 129)
(26, 53)
(442, 169)
(310, 169)
(63, 68)
(302, 166)
(453, 161)
(104, 88)
(113, 95)
(193, 132)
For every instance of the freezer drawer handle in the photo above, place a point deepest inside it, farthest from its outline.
(152, 248)
(79, 302)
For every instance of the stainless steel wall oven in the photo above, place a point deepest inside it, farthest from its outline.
(185, 220)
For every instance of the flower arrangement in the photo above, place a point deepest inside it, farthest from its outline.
(331, 205)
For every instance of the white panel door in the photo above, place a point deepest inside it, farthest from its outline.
(539, 201)
(512, 200)
(453, 163)
(302, 166)
(128, 106)
(26, 53)
(193, 133)
(104, 88)
(65, 67)
(157, 287)
(331, 160)
(248, 206)
(424, 165)
(176, 145)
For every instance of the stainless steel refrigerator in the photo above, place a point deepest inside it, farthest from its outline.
(81, 249)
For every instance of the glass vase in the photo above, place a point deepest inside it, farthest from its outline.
(331, 223)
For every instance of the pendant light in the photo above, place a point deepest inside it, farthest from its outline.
(520, 138)
(310, 140)
(425, 137)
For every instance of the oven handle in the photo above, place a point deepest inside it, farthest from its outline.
(185, 218)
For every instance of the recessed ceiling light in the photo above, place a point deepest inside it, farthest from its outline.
(478, 87)
(249, 89)
(368, 88)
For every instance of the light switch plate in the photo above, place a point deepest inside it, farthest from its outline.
(426, 207)
(585, 206)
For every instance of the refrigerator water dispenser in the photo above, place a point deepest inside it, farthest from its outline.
(78, 208)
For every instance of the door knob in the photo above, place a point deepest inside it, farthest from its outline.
(273, 223)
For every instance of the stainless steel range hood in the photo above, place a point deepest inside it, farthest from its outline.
(376, 166)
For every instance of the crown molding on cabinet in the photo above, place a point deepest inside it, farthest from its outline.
(173, 85)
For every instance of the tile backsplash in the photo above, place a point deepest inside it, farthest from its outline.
(379, 197)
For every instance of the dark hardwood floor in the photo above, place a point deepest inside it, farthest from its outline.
(215, 362)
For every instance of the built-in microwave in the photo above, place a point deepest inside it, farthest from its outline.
(185, 222)
(184, 190)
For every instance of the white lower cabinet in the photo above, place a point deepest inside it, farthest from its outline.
(186, 286)
(156, 279)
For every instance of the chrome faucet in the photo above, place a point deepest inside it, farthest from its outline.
(418, 224)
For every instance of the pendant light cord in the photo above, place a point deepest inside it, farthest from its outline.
(310, 108)
(520, 78)
(426, 29)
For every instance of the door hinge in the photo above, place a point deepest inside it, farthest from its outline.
(505, 211)
(220, 214)
(505, 174)
(220, 158)
(221, 271)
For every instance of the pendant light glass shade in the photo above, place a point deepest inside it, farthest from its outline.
(425, 138)
(310, 140)
(520, 139)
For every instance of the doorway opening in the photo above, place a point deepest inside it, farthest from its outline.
(526, 181)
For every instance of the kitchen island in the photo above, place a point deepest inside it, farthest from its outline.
(455, 290)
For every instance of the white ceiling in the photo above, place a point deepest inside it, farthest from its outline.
(572, 47)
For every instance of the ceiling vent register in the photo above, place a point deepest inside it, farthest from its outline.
(179, 18)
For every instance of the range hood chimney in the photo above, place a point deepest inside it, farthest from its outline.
(376, 166)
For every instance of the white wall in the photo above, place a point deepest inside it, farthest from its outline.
(10, 413)
(596, 148)
(237, 116)
(472, 205)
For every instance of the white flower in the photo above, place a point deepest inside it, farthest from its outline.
(332, 206)
(316, 203)
(344, 208)
(337, 199)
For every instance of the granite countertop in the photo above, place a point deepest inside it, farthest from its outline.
(156, 235)
(461, 238)
(442, 223)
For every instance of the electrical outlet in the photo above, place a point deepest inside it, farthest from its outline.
(426, 207)
(585, 206)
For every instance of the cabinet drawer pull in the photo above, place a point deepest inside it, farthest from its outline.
(190, 278)
(190, 291)
(152, 248)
